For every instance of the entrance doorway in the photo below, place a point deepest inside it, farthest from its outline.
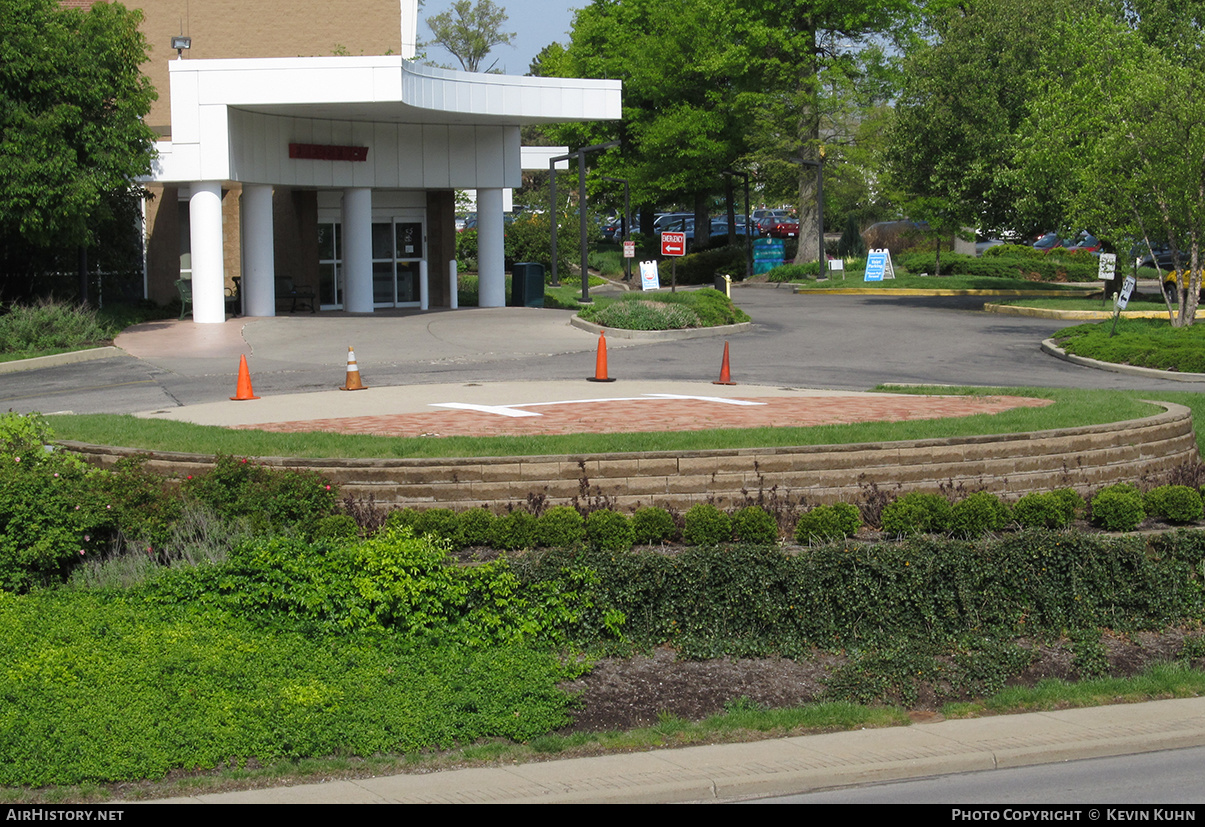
(398, 245)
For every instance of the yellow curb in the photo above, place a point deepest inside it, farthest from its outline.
(1070, 315)
(916, 291)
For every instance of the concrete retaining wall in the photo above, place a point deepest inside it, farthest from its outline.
(1011, 464)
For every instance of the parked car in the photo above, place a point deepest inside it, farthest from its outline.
(784, 228)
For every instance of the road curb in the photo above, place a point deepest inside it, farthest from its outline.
(662, 335)
(1048, 346)
(1070, 315)
(57, 359)
(916, 291)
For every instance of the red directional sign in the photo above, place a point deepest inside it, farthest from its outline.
(673, 244)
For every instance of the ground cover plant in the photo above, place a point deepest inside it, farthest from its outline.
(262, 640)
(1149, 343)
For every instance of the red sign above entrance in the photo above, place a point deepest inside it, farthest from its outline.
(328, 152)
(673, 244)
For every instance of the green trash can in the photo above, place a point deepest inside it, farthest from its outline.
(527, 284)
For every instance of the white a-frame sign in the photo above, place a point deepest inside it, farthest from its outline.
(878, 266)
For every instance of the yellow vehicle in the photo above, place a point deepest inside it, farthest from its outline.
(1172, 279)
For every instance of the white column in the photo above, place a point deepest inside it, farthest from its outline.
(357, 250)
(205, 235)
(259, 261)
(491, 257)
(424, 303)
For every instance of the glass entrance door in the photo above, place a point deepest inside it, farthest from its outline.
(397, 248)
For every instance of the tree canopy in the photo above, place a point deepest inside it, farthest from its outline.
(712, 84)
(72, 99)
(470, 31)
(1092, 121)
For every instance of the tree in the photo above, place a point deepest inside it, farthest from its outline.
(682, 96)
(964, 96)
(72, 140)
(470, 31)
(799, 53)
(1124, 141)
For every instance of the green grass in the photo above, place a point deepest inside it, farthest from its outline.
(909, 281)
(1072, 408)
(1149, 343)
(1139, 301)
(1161, 681)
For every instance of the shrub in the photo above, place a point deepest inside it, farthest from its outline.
(514, 531)
(794, 272)
(276, 497)
(1174, 503)
(1118, 508)
(916, 513)
(144, 506)
(561, 526)
(704, 266)
(336, 527)
(401, 518)
(608, 530)
(706, 525)
(978, 514)
(828, 522)
(473, 527)
(49, 325)
(653, 525)
(440, 523)
(753, 525)
(1046, 509)
(646, 315)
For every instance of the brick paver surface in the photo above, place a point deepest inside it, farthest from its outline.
(651, 414)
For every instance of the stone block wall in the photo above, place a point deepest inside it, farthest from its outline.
(1008, 464)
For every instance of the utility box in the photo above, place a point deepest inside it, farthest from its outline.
(527, 284)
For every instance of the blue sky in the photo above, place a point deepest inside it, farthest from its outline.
(536, 23)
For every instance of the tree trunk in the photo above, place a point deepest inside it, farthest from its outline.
(809, 150)
(702, 222)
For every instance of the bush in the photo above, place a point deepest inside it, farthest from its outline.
(706, 525)
(646, 315)
(828, 522)
(561, 526)
(1047, 509)
(275, 498)
(704, 266)
(514, 531)
(144, 506)
(473, 527)
(440, 523)
(1174, 503)
(401, 518)
(794, 272)
(49, 325)
(608, 530)
(753, 525)
(336, 527)
(1118, 508)
(978, 514)
(916, 513)
(653, 525)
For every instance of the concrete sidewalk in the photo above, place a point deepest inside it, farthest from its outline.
(731, 772)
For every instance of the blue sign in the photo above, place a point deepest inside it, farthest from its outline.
(876, 266)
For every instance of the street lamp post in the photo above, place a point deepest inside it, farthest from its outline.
(581, 205)
(748, 228)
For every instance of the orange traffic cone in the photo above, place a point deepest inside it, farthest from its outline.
(244, 390)
(600, 362)
(353, 373)
(725, 374)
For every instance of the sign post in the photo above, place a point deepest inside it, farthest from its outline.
(1123, 298)
(1106, 271)
(673, 245)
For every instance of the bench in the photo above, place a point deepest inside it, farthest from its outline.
(287, 291)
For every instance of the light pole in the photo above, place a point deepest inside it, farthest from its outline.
(581, 205)
(748, 230)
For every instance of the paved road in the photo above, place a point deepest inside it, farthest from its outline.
(838, 342)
